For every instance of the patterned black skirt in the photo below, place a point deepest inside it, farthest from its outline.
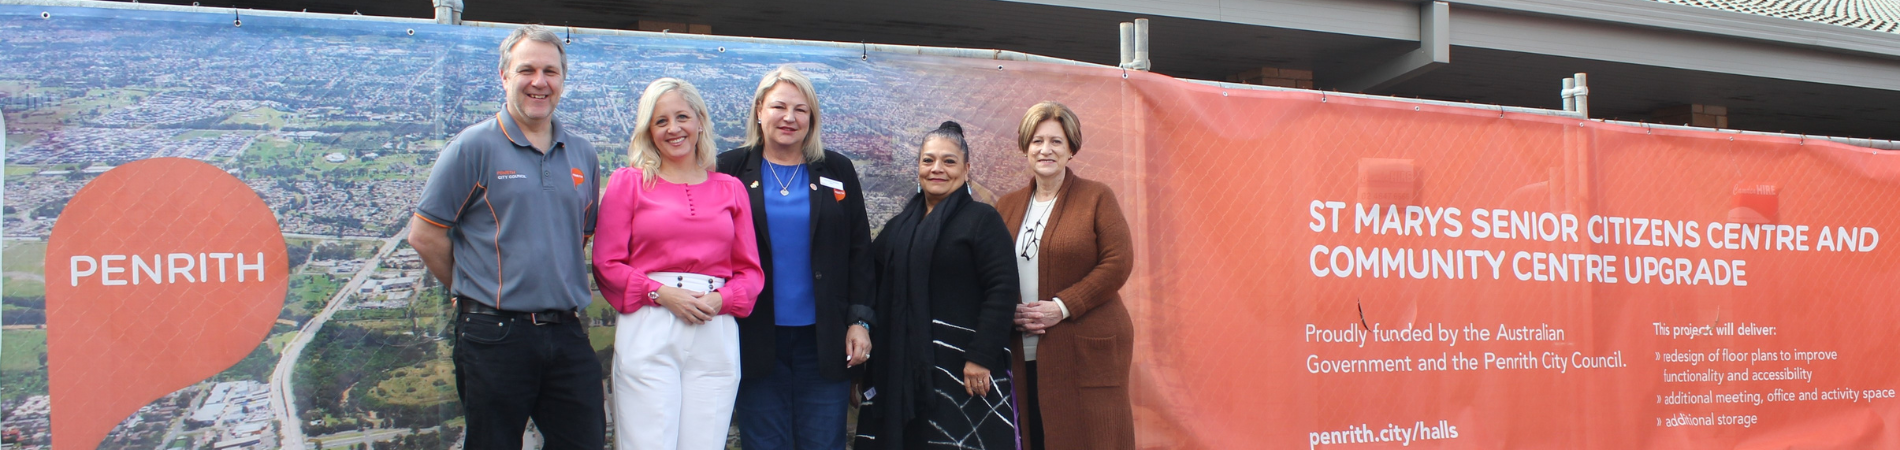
(947, 417)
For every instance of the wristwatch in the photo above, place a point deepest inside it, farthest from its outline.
(653, 295)
(866, 325)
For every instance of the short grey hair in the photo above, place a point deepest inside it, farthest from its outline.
(535, 33)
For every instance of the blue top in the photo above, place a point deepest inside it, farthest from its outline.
(788, 223)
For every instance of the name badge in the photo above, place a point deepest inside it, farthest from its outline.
(830, 183)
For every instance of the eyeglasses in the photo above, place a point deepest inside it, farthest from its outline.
(1031, 241)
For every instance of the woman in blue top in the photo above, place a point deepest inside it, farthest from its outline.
(810, 329)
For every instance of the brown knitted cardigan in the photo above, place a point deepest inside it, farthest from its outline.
(1082, 363)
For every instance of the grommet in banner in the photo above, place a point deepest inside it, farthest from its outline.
(194, 4)
(999, 67)
(1223, 93)
(46, 15)
(722, 49)
(412, 31)
(1414, 108)
(237, 23)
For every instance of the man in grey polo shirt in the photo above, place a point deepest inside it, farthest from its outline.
(503, 221)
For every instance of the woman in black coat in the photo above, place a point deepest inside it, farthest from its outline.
(946, 289)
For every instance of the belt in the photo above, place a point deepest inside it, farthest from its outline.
(688, 281)
(549, 317)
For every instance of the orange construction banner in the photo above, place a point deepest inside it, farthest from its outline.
(1333, 272)
(198, 261)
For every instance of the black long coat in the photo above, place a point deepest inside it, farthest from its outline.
(947, 291)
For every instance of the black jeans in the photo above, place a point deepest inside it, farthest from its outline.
(508, 370)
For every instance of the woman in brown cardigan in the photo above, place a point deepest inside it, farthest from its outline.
(1073, 254)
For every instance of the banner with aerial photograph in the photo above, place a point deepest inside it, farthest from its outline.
(204, 242)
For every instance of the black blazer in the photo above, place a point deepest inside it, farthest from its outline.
(840, 265)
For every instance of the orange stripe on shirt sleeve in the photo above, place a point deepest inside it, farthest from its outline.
(431, 222)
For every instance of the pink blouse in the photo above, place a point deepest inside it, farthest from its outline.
(703, 228)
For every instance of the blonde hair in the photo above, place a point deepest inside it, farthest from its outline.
(1050, 110)
(643, 154)
(814, 145)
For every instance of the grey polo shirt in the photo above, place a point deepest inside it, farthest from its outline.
(518, 218)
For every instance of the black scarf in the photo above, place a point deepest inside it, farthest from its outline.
(909, 242)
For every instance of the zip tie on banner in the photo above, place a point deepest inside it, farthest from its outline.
(1362, 313)
(235, 20)
(570, 33)
(864, 51)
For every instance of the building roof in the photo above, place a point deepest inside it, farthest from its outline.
(1877, 15)
(1834, 70)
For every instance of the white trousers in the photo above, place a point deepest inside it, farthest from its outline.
(674, 382)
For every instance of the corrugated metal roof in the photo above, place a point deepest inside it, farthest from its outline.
(1877, 15)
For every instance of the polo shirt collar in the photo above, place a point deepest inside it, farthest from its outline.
(515, 136)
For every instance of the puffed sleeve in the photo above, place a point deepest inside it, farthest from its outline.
(623, 285)
(747, 278)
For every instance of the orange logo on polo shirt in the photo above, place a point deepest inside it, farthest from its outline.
(508, 175)
(578, 178)
(160, 273)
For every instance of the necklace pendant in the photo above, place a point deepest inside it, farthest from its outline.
(782, 192)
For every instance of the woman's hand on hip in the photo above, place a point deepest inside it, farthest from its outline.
(683, 304)
(857, 345)
(976, 379)
(1037, 317)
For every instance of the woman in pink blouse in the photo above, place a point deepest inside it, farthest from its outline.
(675, 252)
